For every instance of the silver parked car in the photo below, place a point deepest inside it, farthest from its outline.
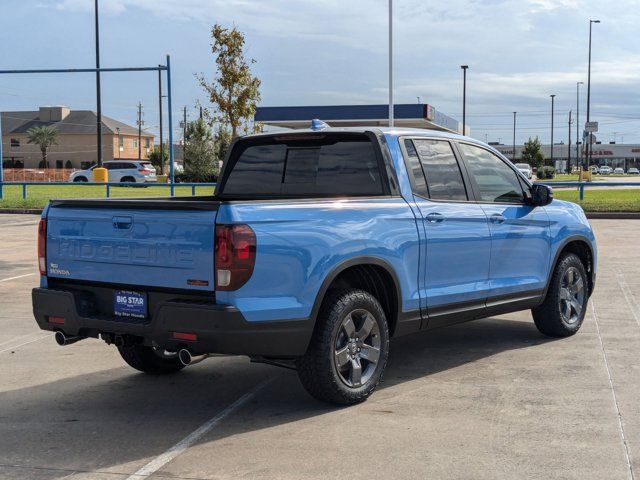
(525, 169)
(618, 171)
(633, 171)
(120, 171)
(606, 170)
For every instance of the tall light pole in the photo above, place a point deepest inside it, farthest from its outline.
(514, 137)
(591, 22)
(391, 63)
(553, 97)
(578, 159)
(98, 96)
(464, 98)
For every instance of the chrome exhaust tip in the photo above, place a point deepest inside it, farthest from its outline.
(62, 339)
(186, 358)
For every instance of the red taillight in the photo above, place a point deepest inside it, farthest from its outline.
(235, 256)
(144, 171)
(42, 246)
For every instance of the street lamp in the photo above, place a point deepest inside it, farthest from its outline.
(553, 97)
(464, 98)
(391, 63)
(578, 159)
(591, 22)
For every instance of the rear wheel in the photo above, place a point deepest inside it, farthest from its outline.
(127, 180)
(80, 179)
(348, 351)
(563, 310)
(150, 360)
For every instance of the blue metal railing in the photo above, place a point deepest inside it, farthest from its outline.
(582, 185)
(108, 185)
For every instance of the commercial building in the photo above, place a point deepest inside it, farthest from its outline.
(76, 140)
(411, 115)
(612, 154)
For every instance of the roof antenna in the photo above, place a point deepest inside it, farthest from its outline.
(317, 124)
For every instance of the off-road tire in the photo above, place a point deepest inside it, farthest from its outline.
(549, 317)
(317, 369)
(146, 360)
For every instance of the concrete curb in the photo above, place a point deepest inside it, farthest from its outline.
(614, 215)
(22, 211)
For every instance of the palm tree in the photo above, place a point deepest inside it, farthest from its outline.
(44, 136)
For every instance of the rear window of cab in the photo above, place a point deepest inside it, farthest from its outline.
(304, 165)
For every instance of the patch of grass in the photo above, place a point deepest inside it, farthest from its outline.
(611, 200)
(39, 195)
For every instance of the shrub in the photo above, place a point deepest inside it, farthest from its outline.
(546, 173)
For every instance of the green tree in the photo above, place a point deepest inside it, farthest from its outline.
(222, 143)
(44, 136)
(532, 153)
(200, 161)
(234, 91)
(159, 157)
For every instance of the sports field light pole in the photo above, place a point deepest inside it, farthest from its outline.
(553, 97)
(391, 63)
(590, 148)
(100, 174)
(464, 98)
(578, 159)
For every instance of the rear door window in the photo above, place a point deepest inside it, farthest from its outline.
(322, 165)
(441, 170)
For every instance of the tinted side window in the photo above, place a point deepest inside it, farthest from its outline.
(348, 167)
(415, 169)
(441, 169)
(496, 181)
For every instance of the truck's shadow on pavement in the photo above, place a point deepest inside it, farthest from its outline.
(93, 422)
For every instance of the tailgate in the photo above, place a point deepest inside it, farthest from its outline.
(147, 245)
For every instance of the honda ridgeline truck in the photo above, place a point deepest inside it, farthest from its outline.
(318, 247)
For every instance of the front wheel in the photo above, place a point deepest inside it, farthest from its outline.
(348, 351)
(150, 360)
(563, 310)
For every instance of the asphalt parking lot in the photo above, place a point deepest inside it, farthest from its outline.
(483, 400)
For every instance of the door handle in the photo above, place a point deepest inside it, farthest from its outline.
(497, 218)
(435, 217)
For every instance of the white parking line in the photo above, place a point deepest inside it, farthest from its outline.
(19, 276)
(628, 296)
(14, 347)
(613, 394)
(161, 460)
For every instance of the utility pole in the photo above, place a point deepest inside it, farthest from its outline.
(140, 122)
(464, 98)
(160, 106)
(514, 138)
(98, 93)
(184, 125)
(552, 102)
(591, 22)
(569, 148)
(391, 63)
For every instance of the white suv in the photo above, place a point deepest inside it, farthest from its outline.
(120, 172)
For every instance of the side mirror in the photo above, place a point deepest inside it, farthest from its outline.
(541, 195)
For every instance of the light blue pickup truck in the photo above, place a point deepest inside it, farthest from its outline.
(319, 247)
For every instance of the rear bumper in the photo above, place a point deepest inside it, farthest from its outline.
(219, 328)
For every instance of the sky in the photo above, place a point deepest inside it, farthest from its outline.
(328, 52)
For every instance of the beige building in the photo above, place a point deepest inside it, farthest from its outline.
(76, 139)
